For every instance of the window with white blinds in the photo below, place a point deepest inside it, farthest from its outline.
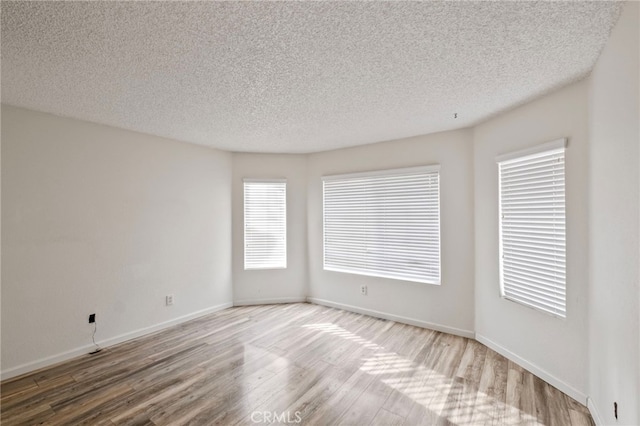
(532, 227)
(384, 224)
(265, 224)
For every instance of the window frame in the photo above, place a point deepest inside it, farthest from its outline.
(427, 169)
(554, 147)
(246, 181)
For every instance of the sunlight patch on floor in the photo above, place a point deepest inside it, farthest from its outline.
(443, 396)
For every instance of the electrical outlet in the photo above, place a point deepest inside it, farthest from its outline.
(169, 299)
(363, 290)
(92, 318)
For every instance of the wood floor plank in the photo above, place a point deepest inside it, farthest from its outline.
(84, 407)
(434, 392)
(365, 407)
(341, 400)
(471, 364)
(580, 418)
(317, 395)
(541, 403)
(400, 401)
(514, 394)
(558, 409)
(155, 396)
(527, 405)
(231, 385)
(279, 401)
(492, 388)
(33, 415)
(240, 408)
(322, 365)
(42, 394)
(427, 384)
(11, 387)
(387, 418)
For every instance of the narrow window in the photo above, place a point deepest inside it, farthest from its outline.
(384, 224)
(265, 224)
(532, 227)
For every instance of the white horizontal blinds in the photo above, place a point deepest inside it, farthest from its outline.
(532, 218)
(384, 224)
(265, 224)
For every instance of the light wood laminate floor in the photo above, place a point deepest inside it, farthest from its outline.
(289, 363)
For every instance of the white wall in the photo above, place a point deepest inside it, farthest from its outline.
(446, 307)
(98, 219)
(614, 258)
(272, 285)
(554, 348)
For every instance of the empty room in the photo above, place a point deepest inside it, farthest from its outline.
(320, 213)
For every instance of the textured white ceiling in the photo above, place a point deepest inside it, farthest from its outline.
(293, 76)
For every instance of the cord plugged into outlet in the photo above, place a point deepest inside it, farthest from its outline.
(92, 320)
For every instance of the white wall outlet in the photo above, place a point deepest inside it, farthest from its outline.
(363, 290)
(169, 299)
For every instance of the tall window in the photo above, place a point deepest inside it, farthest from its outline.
(265, 224)
(384, 224)
(532, 227)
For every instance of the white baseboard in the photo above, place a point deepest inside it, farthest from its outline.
(82, 350)
(595, 414)
(534, 369)
(392, 317)
(45, 362)
(274, 301)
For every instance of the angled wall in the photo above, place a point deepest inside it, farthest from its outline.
(614, 228)
(449, 306)
(107, 221)
(553, 348)
(272, 285)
